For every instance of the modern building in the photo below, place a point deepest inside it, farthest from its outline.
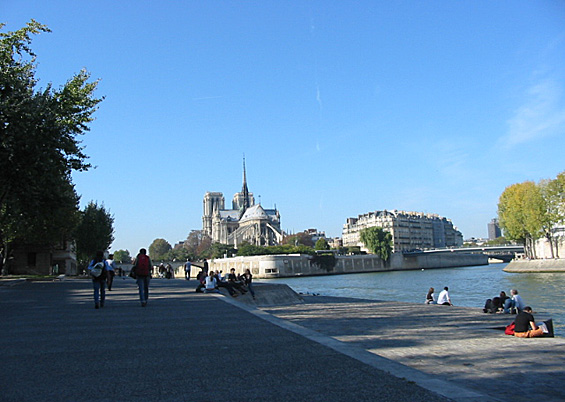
(244, 222)
(494, 229)
(409, 230)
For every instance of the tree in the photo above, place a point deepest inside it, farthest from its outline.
(122, 256)
(553, 192)
(378, 241)
(519, 213)
(322, 244)
(38, 145)
(301, 238)
(95, 232)
(159, 249)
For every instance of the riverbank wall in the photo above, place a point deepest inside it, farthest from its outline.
(546, 265)
(291, 265)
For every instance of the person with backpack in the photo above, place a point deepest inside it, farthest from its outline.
(142, 268)
(98, 270)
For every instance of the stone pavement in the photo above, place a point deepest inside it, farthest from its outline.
(183, 346)
(454, 344)
(193, 347)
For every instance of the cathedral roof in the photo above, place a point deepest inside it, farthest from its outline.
(229, 214)
(254, 212)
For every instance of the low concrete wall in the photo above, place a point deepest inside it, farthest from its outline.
(289, 265)
(556, 265)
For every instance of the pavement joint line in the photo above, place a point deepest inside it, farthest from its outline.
(424, 380)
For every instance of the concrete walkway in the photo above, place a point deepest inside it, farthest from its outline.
(455, 344)
(193, 347)
(183, 346)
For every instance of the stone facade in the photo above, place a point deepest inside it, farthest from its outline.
(244, 222)
(409, 230)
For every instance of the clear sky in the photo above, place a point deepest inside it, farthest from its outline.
(340, 108)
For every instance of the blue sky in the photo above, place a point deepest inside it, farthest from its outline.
(340, 108)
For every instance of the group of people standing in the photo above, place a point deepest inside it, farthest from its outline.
(102, 273)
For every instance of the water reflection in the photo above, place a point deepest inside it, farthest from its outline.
(468, 287)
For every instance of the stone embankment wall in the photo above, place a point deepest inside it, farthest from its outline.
(518, 266)
(289, 265)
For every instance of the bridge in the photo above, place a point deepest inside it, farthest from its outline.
(503, 253)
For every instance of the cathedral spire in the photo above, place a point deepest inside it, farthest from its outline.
(245, 190)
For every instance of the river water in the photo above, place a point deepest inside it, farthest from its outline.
(468, 287)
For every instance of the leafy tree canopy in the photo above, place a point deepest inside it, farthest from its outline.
(378, 241)
(322, 244)
(38, 144)
(122, 256)
(95, 232)
(159, 250)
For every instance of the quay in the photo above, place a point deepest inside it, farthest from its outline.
(186, 346)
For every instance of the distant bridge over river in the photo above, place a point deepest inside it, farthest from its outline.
(503, 253)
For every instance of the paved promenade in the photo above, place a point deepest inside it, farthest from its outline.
(182, 347)
(455, 344)
(193, 347)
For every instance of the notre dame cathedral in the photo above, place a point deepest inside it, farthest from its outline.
(245, 222)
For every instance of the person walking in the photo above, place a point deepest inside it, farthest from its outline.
(187, 268)
(98, 269)
(111, 271)
(142, 267)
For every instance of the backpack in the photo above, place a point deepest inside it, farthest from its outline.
(509, 330)
(98, 270)
(142, 267)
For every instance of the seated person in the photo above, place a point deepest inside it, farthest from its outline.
(430, 296)
(232, 279)
(515, 302)
(525, 326)
(443, 297)
(211, 283)
(223, 284)
(499, 301)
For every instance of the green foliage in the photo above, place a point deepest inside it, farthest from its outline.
(322, 244)
(528, 211)
(378, 241)
(122, 256)
(326, 261)
(298, 239)
(38, 145)
(218, 250)
(159, 250)
(94, 232)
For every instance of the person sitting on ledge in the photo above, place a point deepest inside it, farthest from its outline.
(525, 326)
(430, 296)
(515, 302)
(443, 297)
(211, 284)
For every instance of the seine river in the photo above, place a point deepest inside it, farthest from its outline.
(468, 287)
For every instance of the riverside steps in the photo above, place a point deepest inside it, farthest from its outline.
(186, 346)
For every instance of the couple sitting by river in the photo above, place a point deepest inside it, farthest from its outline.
(503, 303)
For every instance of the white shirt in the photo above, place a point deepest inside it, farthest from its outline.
(443, 297)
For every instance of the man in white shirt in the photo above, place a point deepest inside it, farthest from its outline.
(443, 297)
